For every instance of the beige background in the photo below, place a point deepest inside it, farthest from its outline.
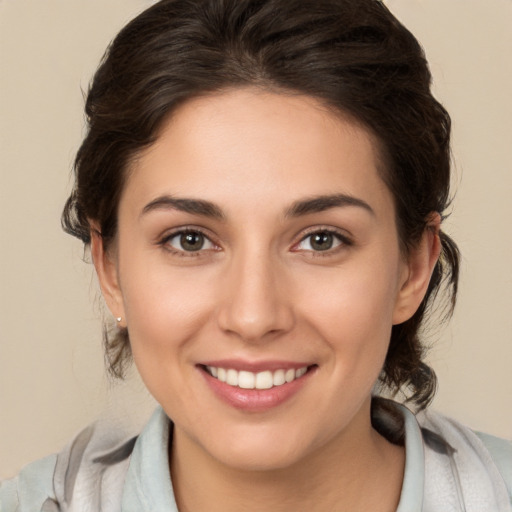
(52, 380)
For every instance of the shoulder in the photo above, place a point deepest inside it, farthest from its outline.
(480, 463)
(96, 459)
(31, 488)
(501, 453)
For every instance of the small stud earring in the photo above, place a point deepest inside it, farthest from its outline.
(118, 319)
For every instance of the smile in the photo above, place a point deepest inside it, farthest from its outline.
(261, 380)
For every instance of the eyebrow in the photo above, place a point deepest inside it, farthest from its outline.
(297, 209)
(326, 202)
(194, 206)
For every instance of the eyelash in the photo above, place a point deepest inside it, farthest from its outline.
(343, 242)
(164, 242)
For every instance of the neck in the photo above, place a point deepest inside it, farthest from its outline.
(357, 471)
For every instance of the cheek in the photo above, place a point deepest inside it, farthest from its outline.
(165, 314)
(353, 310)
(164, 306)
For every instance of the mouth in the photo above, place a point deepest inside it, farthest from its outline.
(266, 379)
(256, 387)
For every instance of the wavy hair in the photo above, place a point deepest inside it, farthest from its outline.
(353, 55)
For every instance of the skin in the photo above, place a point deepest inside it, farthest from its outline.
(259, 291)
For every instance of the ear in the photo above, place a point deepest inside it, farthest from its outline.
(105, 263)
(417, 271)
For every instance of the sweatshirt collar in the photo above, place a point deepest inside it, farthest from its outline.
(148, 483)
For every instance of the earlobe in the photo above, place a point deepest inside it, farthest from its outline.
(420, 265)
(106, 270)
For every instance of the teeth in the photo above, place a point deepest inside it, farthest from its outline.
(246, 380)
(264, 380)
(260, 380)
(232, 377)
(279, 378)
(300, 372)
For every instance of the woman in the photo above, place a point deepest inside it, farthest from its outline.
(262, 188)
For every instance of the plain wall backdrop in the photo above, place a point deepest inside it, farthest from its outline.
(52, 379)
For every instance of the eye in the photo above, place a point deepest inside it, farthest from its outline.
(321, 241)
(189, 241)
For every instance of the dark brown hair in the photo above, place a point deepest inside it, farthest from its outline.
(353, 55)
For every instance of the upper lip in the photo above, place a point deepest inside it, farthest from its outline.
(255, 366)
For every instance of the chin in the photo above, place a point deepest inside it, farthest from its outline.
(260, 448)
(260, 459)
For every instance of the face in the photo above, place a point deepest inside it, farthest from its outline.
(258, 271)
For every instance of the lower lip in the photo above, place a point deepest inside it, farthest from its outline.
(255, 400)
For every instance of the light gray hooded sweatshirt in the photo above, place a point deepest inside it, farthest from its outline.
(448, 468)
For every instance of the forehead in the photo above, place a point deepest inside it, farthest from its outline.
(249, 143)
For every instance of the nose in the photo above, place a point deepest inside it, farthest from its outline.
(256, 302)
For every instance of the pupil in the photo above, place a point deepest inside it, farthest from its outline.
(192, 241)
(322, 241)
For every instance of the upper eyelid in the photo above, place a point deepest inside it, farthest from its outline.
(163, 242)
(345, 241)
(171, 233)
(168, 235)
(342, 233)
